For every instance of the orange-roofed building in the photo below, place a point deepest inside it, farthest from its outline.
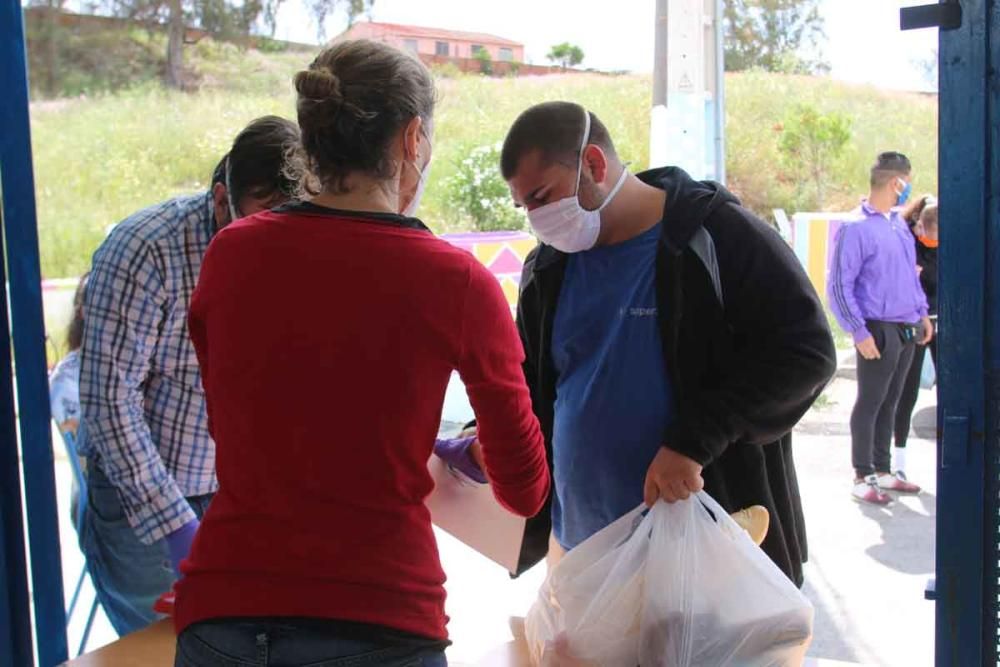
(437, 42)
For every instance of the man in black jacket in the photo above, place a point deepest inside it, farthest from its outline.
(672, 340)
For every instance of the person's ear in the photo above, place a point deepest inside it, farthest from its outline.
(411, 139)
(220, 203)
(596, 162)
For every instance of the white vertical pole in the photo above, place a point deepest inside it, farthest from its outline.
(686, 121)
(719, 94)
(658, 114)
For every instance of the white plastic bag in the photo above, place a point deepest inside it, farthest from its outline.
(673, 587)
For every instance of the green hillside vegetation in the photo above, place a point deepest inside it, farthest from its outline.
(116, 146)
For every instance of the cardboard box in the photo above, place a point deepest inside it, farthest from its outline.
(469, 512)
(155, 647)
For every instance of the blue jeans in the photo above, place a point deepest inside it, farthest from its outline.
(291, 643)
(128, 575)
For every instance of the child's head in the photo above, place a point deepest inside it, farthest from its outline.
(74, 336)
(929, 221)
(927, 224)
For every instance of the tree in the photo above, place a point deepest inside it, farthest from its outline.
(49, 35)
(772, 35)
(478, 193)
(226, 21)
(485, 61)
(223, 18)
(211, 15)
(322, 9)
(928, 67)
(175, 45)
(566, 55)
(810, 142)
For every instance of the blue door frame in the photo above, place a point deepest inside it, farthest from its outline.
(969, 351)
(25, 329)
(15, 622)
(969, 394)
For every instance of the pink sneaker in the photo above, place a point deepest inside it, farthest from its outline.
(897, 482)
(868, 491)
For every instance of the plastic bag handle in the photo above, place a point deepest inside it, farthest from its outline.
(722, 518)
(710, 503)
(638, 515)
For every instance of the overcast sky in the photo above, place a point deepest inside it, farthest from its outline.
(864, 43)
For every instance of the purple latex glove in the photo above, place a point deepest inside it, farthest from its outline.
(457, 454)
(179, 543)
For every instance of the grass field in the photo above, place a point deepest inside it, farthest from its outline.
(100, 158)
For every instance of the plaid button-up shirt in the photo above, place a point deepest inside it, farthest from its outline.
(140, 388)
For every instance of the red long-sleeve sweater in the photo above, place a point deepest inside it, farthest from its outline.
(326, 341)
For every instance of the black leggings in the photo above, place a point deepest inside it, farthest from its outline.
(880, 383)
(911, 389)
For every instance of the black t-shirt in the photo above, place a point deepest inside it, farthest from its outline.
(927, 259)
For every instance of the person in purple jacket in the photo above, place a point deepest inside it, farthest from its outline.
(875, 293)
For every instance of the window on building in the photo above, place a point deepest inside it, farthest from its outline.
(410, 45)
(476, 48)
(506, 54)
(442, 49)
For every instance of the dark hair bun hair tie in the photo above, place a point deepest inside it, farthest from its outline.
(318, 84)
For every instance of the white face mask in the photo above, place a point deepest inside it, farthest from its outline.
(565, 224)
(422, 177)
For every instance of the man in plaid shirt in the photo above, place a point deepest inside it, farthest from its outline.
(151, 460)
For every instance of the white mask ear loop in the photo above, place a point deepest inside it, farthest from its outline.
(229, 195)
(583, 147)
(579, 172)
(614, 190)
(411, 207)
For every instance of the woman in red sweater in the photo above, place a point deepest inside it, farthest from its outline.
(326, 332)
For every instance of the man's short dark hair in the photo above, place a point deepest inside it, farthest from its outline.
(889, 165)
(555, 129)
(256, 162)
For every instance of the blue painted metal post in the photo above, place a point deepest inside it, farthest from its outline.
(15, 609)
(969, 348)
(28, 333)
(991, 194)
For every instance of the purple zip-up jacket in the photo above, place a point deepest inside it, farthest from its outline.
(873, 275)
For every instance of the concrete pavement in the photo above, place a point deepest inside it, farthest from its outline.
(868, 566)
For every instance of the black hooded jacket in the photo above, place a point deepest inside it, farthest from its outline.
(747, 348)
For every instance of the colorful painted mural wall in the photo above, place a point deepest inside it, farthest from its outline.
(811, 236)
(503, 253)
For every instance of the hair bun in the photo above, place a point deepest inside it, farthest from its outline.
(352, 101)
(319, 84)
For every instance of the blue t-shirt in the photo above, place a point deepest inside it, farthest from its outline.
(613, 396)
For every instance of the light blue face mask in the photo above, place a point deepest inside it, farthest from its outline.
(904, 196)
